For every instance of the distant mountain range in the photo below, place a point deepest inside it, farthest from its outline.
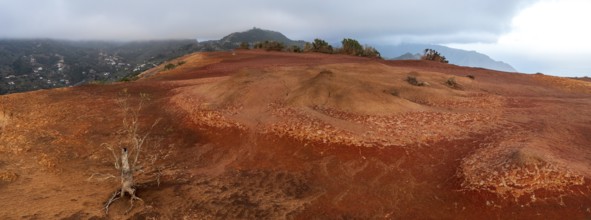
(32, 64)
(403, 51)
(455, 56)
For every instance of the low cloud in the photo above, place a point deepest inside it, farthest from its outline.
(532, 35)
(375, 20)
(549, 36)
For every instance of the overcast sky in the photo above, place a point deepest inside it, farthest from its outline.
(549, 36)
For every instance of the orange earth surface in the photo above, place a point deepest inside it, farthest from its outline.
(269, 135)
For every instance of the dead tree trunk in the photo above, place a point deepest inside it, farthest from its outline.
(127, 184)
(135, 142)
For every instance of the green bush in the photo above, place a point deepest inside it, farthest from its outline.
(308, 47)
(354, 48)
(270, 45)
(321, 46)
(433, 55)
(351, 47)
(169, 66)
(244, 46)
(294, 49)
(274, 46)
(371, 52)
(128, 78)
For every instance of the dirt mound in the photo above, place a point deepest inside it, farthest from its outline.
(517, 170)
(347, 92)
(304, 87)
(339, 104)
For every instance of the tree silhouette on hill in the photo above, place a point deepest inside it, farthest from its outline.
(433, 55)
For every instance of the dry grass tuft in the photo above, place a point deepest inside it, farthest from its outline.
(415, 82)
(46, 161)
(7, 176)
(451, 83)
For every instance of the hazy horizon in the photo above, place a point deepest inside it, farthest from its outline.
(532, 35)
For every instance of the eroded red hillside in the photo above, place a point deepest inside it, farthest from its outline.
(280, 135)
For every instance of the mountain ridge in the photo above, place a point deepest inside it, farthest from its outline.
(251, 36)
(31, 64)
(455, 56)
(256, 35)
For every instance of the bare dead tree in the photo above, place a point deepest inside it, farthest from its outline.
(131, 145)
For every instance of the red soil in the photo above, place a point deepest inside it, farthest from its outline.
(280, 135)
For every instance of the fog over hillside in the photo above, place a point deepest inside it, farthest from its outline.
(531, 35)
(27, 65)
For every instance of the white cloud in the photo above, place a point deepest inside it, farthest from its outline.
(306, 19)
(551, 36)
(552, 26)
(548, 36)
